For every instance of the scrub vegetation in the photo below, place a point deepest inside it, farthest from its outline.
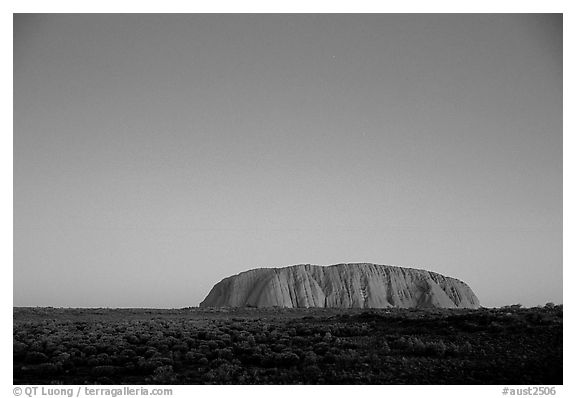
(510, 345)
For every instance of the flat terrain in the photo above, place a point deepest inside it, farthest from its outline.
(287, 346)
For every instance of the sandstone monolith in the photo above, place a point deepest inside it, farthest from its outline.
(358, 285)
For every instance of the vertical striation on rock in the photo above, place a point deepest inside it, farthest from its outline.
(358, 285)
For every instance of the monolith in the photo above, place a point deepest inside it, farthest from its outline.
(358, 285)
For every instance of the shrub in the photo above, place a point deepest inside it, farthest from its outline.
(410, 344)
(401, 343)
(329, 357)
(120, 359)
(225, 353)
(321, 348)
(452, 349)
(384, 348)
(104, 370)
(225, 373)
(132, 339)
(278, 347)
(436, 348)
(34, 357)
(287, 359)
(418, 347)
(465, 348)
(42, 369)
(104, 381)
(127, 352)
(64, 356)
(299, 341)
(19, 350)
(36, 346)
(150, 352)
(164, 375)
(104, 358)
(302, 330)
(310, 357)
(148, 365)
(312, 371)
(89, 350)
(346, 358)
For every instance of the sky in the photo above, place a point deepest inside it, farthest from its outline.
(155, 155)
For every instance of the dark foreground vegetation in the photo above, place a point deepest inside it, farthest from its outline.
(314, 346)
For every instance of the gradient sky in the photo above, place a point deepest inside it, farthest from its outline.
(155, 155)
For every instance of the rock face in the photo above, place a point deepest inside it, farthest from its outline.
(341, 286)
